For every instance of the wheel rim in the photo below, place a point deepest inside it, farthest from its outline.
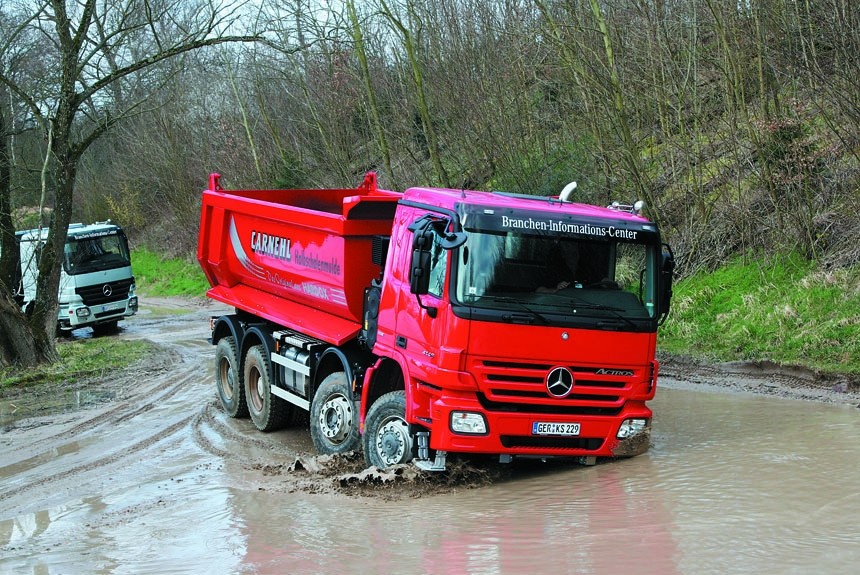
(335, 418)
(254, 391)
(227, 378)
(393, 441)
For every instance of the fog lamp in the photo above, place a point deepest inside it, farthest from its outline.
(82, 311)
(630, 427)
(466, 422)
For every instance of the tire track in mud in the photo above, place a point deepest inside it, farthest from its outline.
(123, 411)
(44, 481)
(72, 452)
(212, 421)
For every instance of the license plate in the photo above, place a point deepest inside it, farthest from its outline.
(544, 428)
(113, 306)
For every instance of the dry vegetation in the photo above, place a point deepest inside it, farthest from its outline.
(736, 121)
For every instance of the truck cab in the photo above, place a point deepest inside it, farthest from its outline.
(523, 324)
(96, 288)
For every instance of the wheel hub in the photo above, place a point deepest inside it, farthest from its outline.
(391, 441)
(256, 393)
(227, 380)
(336, 418)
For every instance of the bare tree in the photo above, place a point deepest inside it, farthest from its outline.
(98, 47)
(408, 29)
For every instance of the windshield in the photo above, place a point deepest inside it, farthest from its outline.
(90, 254)
(560, 279)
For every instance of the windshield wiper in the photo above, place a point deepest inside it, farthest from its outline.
(616, 312)
(503, 299)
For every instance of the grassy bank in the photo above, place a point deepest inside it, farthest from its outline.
(159, 276)
(784, 310)
(80, 359)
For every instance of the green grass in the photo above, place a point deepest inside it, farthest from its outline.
(80, 359)
(787, 311)
(157, 275)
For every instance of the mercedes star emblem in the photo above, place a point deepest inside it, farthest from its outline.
(559, 382)
(107, 290)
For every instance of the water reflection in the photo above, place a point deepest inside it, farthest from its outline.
(732, 484)
(583, 520)
(187, 531)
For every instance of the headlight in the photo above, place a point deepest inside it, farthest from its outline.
(467, 422)
(631, 427)
(82, 311)
(132, 303)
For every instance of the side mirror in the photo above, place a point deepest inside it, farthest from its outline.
(419, 271)
(667, 270)
(426, 230)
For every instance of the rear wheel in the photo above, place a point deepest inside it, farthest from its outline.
(334, 418)
(267, 411)
(387, 441)
(228, 380)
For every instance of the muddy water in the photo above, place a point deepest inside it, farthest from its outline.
(157, 480)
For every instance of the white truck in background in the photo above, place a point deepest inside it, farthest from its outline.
(97, 287)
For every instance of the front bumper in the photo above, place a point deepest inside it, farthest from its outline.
(74, 316)
(512, 432)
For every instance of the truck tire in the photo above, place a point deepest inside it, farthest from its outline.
(334, 417)
(268, 412)
(386, 439)
(108, 328)
(228, 380)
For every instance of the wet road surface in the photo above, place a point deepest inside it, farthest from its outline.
(151, 477)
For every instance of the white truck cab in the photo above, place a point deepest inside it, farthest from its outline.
(97, 287)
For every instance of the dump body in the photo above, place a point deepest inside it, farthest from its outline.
(299, 258)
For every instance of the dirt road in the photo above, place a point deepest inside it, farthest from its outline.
(108, 433)
(91, 475)
(97, 433)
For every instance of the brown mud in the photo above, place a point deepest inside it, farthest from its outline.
(760, 378)
(55, 441)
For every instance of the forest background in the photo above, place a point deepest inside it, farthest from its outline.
(738, 122)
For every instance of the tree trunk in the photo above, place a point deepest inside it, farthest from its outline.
(9, 260)
(429, 131)
(361, 53)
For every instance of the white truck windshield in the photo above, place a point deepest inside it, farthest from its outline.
(89, 254)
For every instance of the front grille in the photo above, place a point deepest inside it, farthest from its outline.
(95, 294)
(521, 387)
(102, 314)
(564, 406)
(586, 443)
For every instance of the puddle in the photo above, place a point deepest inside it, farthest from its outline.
(51, 403)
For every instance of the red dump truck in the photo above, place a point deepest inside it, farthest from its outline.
(435, 321)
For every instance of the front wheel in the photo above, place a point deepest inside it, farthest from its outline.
(108, 328)
(267, 411)
(387, 441)
(334, 418)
